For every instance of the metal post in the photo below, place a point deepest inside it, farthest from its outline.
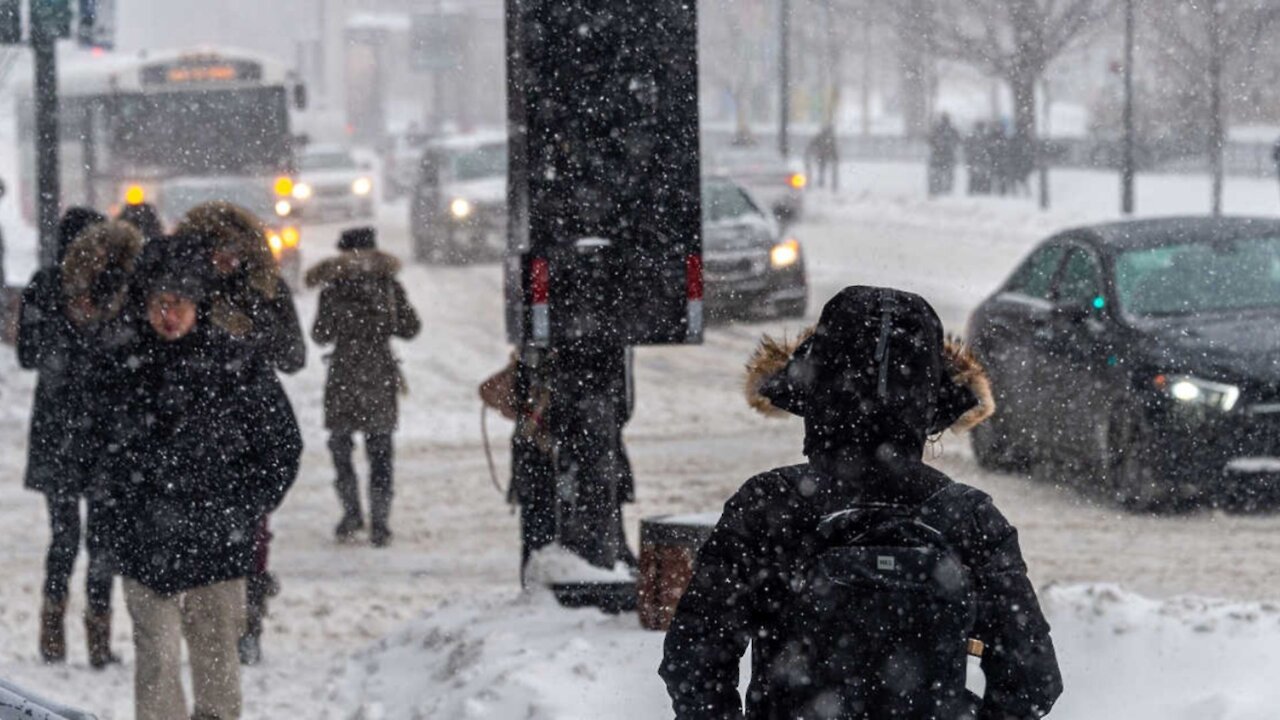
(1127, 169)
(47, 186)
(784, 76)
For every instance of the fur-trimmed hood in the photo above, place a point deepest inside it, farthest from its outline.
(226, 225)
(351, 264)
(98, 265)
(777, 384)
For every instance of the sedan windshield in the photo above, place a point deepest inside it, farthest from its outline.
(1200, 277)
(725, 201)
(487, 161)
(327, 161)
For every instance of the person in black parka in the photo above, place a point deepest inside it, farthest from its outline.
(872, 382)
(252, 308)
(62, 334)
(196, 465)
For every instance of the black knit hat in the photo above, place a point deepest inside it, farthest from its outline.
(361, 238)
(74, 222)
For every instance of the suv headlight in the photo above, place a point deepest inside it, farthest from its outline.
(461, 208)
(785, 253)
(362, 186)
(1195, 391)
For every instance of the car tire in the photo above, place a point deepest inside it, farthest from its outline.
(995, 448)
(1133, 469)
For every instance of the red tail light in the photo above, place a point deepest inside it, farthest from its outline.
(693, 276)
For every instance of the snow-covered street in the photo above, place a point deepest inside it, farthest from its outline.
(433, 626)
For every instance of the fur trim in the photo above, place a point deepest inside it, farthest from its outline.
(102, 247)
(967, 371)
(353, 262)
(237, 229)
(769, 359)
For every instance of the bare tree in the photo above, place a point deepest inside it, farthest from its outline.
(1202, 41)
(1014, 40)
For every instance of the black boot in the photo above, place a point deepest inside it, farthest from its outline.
(380, 488)
(347, 485)
(53, 637)
(97, 626)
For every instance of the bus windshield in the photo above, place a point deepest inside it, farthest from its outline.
(202, 132)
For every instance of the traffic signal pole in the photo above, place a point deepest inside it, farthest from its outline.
(44, 39)
(1127, 168)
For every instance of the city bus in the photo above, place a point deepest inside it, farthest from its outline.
(175, 129)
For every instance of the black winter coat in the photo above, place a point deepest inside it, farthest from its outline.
(200, 458)
(362, 306)
(78, 369)
(740, 595)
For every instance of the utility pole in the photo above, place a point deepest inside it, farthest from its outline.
(50, 20)
(1127, 169)
(784, 76)
(1217, 123)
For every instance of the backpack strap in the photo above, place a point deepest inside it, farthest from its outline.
(944, 509)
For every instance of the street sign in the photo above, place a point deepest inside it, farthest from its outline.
(10, 22)
(97, 26)
(437, 41)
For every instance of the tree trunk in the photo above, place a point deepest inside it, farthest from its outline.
(1023, 85)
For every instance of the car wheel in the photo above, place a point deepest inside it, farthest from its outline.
(1133, 470)
(996, 449)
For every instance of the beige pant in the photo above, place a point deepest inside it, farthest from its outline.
(211, 618)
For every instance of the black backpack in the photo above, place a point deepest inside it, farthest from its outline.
(883, 612)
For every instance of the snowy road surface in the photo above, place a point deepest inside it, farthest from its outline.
(692, 442)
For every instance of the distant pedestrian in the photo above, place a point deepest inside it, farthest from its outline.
(68, 329)
(253, 309)
(862, 578)
(362, 306)
(978, 156)
(823, 154)
(944, 140)
(193, 469)
(144, 217)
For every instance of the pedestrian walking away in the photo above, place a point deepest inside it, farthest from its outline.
(362, 306)
(943, 142)
(252, 309)
(72, 332)
(862, 578)
(194, 467)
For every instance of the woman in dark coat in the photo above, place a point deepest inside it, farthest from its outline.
(362, 306)
(197, 464)
(253, 309)
(70, 331)
(872, 382)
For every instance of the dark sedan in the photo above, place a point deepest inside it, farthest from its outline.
(1145, 356)
(751, 268)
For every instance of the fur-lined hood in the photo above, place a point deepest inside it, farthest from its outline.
(353, 263)
(772, 358)
(232, 227)
(98, 265)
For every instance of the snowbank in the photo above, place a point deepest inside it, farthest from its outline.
(1123, 656)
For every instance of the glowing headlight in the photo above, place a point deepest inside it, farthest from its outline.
(290, 237)
(1194, 391)
(461, 208)
(785, 254)
(362, 186)
(797, 181)
(283, 208)
(135, 195)
(276, 242)
(301, 191)
(283, 186)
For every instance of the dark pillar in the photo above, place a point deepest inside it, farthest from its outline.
(48, 198)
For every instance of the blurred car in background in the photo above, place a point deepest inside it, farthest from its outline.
(458, 211)
(1145, 354)
(778, 184)
(400, 153)
(749, 267)
(331, 183)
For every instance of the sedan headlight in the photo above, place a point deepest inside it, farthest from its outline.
(362, 186)
(785, 253)
(301, 191)
(461, 208)
(1195, 391)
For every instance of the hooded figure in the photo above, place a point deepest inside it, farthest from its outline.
(195, 467)
(252, 307)
(872, 382)
(362, 306)
(72, 332)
